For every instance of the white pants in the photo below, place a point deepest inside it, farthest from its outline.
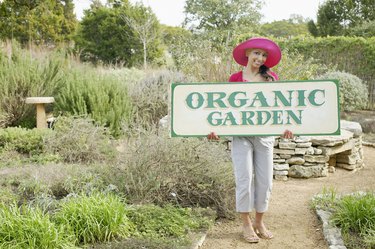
(253, 170)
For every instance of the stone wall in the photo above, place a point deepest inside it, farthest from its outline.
(316, 156)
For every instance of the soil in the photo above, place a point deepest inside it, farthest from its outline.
(290, 216)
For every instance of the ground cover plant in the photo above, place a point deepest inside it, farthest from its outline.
(354, 214)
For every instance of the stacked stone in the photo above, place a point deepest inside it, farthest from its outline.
(307, 157)
(298, 158)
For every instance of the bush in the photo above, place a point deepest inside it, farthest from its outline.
(95, 218)
(29, 228)
(168, 221)
(188, 172)
(23, 140)
(101, 96)
(23, 75)
(355, 215)
(295, 66)
(353, 93)
(79, 140)
(150, 96)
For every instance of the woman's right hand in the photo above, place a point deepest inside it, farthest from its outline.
(213, 136)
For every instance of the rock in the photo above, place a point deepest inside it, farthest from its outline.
(338, 148)
(368, 125)
(317, 151)
(295, 160)
(346, 166)
(316, 159)
(281, 178)
(280, 173)
(279, 160)
(300, 151)
(283, 151)
(330, 141)
(353, 127)
(304, 145)
(299, 139)
(331, 169)
(299, 171)
(287, 145)
(281, 167)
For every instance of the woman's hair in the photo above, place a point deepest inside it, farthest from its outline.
(264, 71)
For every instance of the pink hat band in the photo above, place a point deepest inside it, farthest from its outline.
(272, 49)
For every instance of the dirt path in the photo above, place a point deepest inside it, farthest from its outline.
(293, 223)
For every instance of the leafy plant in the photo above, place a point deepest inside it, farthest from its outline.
(79, 140)
(28, 228)
(98, 217)
(353, 93)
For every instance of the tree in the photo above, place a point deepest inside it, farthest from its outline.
(105, 35)
(294, 26)
(312, 28)
(337, 17)
(37, 21)
(219, 15)
(145, 25)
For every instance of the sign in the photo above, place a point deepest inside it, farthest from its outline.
(255, 108)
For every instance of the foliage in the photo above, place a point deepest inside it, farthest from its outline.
(221, 15)
(336, 17)
(366, 29)
(166, 222)
(350, 54)
(105, 35)
(22, 140)
(356, 214)
(353, 93)
(150, 96)
(22, 75)
(293, 26)
(79, 140)
(156, 169)
(98, 217)
(101, 96)
(295, 66)
(40, 22)
(28, 228)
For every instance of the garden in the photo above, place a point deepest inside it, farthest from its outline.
(107, 174)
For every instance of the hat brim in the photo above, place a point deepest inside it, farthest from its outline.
(272, 49)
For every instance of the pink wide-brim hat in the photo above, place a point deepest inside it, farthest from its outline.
(272, 49)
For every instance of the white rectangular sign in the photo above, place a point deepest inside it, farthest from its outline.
(255, 109)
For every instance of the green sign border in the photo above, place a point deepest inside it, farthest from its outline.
(174, 85)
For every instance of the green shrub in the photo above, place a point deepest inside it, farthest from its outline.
(101, 96)
(295, 66)
(353, 93)
(95, 218)
(150, 96)
(23, 74)
(79, 140)
(28, 228)
(166, 222)
(23, 140)
(356, 213)
(154, 168)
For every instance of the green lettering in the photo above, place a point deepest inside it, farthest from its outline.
(277, 120)
(279, 96)
(291, 114)
(260, 117)
(232, 99)
(246, 117)
(312, 97)
(211, 100)
(301, 98)
(230, 117)
(215, 121)
(196, 98)
(259, 96)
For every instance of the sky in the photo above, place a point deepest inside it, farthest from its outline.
(170, 12)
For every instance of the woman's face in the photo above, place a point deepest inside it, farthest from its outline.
(256, 57)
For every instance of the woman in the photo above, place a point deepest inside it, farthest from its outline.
(252, 156)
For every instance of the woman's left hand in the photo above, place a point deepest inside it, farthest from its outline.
(288, 134)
